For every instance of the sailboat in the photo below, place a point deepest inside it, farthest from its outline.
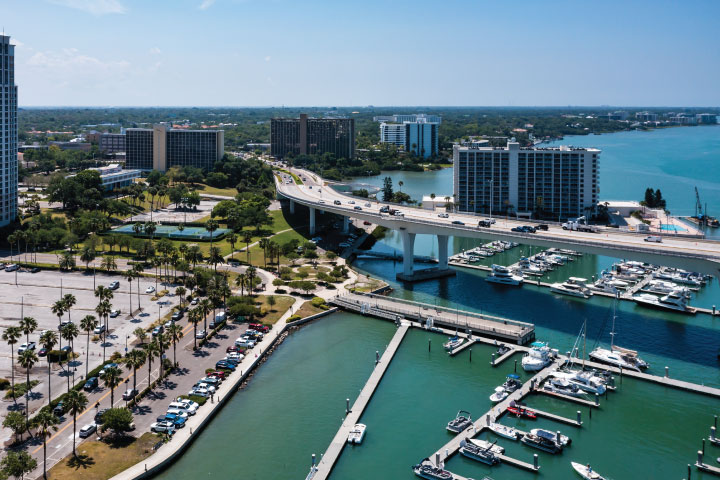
(618, 356)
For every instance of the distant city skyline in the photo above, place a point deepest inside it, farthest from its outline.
(322, 53)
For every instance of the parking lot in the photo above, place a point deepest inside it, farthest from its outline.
(34, 295)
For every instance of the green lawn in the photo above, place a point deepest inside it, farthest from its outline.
(207, 189)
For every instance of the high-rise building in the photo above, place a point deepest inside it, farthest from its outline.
(309, 136)
(161, 148)
(415, 117)
(110, 143)
(8, 133)
(419, 137)
(559, 182)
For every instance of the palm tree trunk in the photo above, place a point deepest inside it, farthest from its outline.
(174, 352)
(27, 399)
(149, 370)
(12, 371)
(49, 396)
(130, 296)
(195, 335)
(44, 455)
(135, 378)
(87, 355)
(74, 423)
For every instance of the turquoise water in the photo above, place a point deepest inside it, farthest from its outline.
(672, 228)
(171, 231)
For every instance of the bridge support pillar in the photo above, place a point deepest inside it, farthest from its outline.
(443, 252)
(292, 207)
(346, 224)
(312, 221)
(408, 240)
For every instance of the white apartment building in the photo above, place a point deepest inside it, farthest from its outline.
(551, 182)
(419, 136)
(8, 133)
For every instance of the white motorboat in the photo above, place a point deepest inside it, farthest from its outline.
(563, 387)
(504, 276)
(562, 439)
(504, 431)
(499, 395)
(357, 434)
(453, 343)
(431, 472)
(604, 286)
(603, 355)
(537, 358)
(585, 471)
(664, 287)
(496, 449)
(587, 381)
(618, 356)
(484, 455)
(574, 287)
(674, 300)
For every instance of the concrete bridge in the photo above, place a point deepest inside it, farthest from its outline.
(693, 254)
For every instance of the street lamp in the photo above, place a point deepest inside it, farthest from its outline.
(126, 343)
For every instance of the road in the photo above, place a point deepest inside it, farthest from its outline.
(696, 254)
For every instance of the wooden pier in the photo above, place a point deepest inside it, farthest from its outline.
(557, 418)
(579, 401)
(462, 347)
(503, 357)
(353, 416)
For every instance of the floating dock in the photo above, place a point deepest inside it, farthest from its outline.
(462, 347)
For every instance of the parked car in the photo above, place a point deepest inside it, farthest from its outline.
(543, 226)
(34, 270)
(106, 367)
(150, 289)
(99, 330)
(654, 239)
(225, 364)
(484, 223)
(91, 384)
(114, 285)
(169, 323)
(162, 427)
(12, 267)
(201, 334)
(158, 330)
(245, 342)
(177, 315)
(66, 349)
(231, 349)
(87, 430)
(194, 301)
(176, 420)
(259, 327)
(99, 415)
(188, 402)
(218, 374)
(42, 352)
(178, 412)
(59, 409)
(129, 394)
(26, 346)
(182, 406)
(235, 357)
(200, 392)
(114, 313)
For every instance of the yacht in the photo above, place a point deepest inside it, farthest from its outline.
(499, 395)
(357, 434)
(537, 358)
(563, 387)
(605, 286)
(453, 343)
(484, 455)
(431, 472)
(492, 446)
(512, 383)
(564, 440)
(544, 441)
(575, 287)
(504, 276)
(674, 300)
(586, 380)
(665, 287)
(616, 356)
(526, 266)
(461, 421)
(585, 471)
(504, 431)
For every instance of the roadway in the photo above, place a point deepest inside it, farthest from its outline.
(675, 251)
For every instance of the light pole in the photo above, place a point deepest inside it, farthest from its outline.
(491, 196)
(126, 343)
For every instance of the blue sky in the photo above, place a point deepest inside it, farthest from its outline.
(392, 52)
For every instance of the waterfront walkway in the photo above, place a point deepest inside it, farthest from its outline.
(353, 416)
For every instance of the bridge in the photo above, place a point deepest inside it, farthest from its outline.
(693, 254)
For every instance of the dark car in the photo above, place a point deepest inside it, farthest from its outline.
(259, 327)
(529, 229)
(177, 315)
(59, 409)
(231, 348)
(458, 222)
(99, 415)
(225, 364)
(91, 384)
(337, 202)
(66, 348)
(543, 226)
(484, 223)
(34, 270)
(42, 352)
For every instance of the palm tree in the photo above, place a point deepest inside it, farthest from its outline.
(58, 309)
(87, 255)
(240, 282)
(194, 316)
(400, 185)
(205, 307)
(46, 422)
(180, 291)
(175, 332)
(129, 275)
(264, 242)
(134, 360)
(69, 300)
(88, 324)
(211, 226)
(103, 310)
(140, 334)
(67, 261)
(28, 326)
(48, 340)
(11, 336)
(232, 240)
(108, 263)
(75, 402)
(103, 293)
(69, 332)
(247, 238)
(27, 360)
(194, 255)
(112, 378)
(152, 350)
(215, 257)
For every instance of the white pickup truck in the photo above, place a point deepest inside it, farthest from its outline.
(579, 227)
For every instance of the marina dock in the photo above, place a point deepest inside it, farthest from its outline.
(396, 309)
(462, 347)
(579, 401)
(497, 361)
(353, 416)
(557, 418)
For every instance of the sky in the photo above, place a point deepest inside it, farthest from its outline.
(359, 53)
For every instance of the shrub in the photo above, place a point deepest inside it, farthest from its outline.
(294, 317)
(318, 302)
(4, 383)
(195, 398)
(20, 389)
(57, 356)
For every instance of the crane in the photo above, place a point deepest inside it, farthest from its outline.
(698, 206)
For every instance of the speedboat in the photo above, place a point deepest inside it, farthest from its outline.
(504, 431)
(484, 455)
(520, 411)
(504, 275)
(357, 434)
(499, 395)
(544, 441)
(563, 387)
(461, 421)
(492, 446)
(574, 287)
(537, 358)
(431, 472)
(674, 300)
(564, 440)
(585, 471)
(453, 343)
(502, 349)
(586, 380)
(512, 383)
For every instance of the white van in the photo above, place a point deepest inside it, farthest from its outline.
(653, 238)
(183, 407)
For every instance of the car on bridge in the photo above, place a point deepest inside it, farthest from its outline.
(337, 202)
(458, 222)
(358, 207)
(443, 215)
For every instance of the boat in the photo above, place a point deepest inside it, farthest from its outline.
(521, 411)
(484, 455)
(453, 343)
(461, 421)
(544, 441)
(665, 287)
(431, 472)
(586, 380)
(564, 440)
(502, 349)
(499, 395)
(512, 383)
(575, 287)
(357, 434)
(674, 300)
(563, 387)
(537, 358)
(618, 356)
(605, 286)
(504, 431)
(496, 449)
(585, 471)
(504, 276)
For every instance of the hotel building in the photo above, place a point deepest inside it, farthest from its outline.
(162, 148)
(8, 133)
(309, 136)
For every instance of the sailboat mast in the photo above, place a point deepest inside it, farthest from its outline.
(612, 332)
(584, 343)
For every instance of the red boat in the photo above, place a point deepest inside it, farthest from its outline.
(522, 412)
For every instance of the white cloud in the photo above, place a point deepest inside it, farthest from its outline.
(94, 7)
(267, 59)
(71, 60)
(155, 51)
(16, 42)
(206, 4)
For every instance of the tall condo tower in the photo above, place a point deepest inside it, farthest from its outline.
(8, 133)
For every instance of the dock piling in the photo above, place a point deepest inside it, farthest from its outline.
(703, 447)
(667, 372)
(700, 457)
(716, 422)
(597, 399)
(429, 340)
(535, 461)
(493, 360)
(471, 355)
(712, 434)
(579, 417)
(713, 310)
(312, 464)
(689, 472)
(377, 357)
(437, 459)
(347, 406)
(515, 370)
